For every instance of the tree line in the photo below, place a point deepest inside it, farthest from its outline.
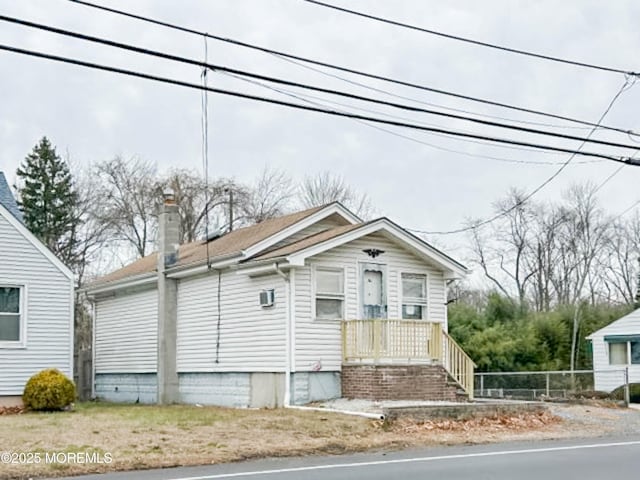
(557, 271)
(90, 215)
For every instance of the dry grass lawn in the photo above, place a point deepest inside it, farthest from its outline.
(138, 437)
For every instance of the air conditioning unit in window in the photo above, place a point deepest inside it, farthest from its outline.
(267, 298)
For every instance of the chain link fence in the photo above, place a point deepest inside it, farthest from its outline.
(549, 384)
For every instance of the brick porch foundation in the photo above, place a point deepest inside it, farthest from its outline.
(398, 382)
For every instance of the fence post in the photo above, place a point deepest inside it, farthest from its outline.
(481, 385)
(627, 398)
(547, 389)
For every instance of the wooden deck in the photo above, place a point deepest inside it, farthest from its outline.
(388, 341)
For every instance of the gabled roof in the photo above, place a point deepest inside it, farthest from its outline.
(31, 238)
(296, 252)
(238, 242)
(7, 200)
(629, 324)
(270, 240)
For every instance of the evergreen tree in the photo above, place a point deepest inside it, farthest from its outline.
(48, 200)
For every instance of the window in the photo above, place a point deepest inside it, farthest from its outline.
(618, 353)
(414, 296)
(10, 314)
(624, 349)
(329, 283)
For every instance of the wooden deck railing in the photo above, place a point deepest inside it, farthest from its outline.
(458, 364)
(385, 341)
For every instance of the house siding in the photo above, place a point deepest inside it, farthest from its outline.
(49, 312)
(252, 338)
(609, 377)
(318, 342)
(126, 333)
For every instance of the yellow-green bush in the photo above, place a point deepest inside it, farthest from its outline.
(49, 390)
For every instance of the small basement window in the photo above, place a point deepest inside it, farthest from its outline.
(10, 314)
(329, 288)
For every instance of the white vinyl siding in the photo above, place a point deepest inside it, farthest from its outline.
(47, 311)
(320, 340)
(608, 375)
(127, 333)
(251, 338)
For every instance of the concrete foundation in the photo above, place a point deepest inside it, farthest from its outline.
(10, 401)
(314, 386)
(127, 387)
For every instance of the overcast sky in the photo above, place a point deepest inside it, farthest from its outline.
(94, 116)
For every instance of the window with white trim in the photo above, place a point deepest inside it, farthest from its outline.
(329, 290)
(624, 351)
(10, 314)
(414, 296)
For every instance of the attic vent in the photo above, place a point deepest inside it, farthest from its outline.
(267, 298)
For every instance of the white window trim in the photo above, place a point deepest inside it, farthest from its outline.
(401, 302)
(343, 297)
(22, 343)
(628, 363)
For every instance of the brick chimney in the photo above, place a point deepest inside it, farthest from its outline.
(168, 241)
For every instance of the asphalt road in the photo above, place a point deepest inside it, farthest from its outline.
(549, 460)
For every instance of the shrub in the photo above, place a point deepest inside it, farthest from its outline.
(49, 390)
(634, 393)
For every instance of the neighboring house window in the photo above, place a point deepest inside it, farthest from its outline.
(624, 351)
(329, 293)
(618, 354)
(414, 296)
(10, 314)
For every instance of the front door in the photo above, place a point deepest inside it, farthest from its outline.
(373, 290)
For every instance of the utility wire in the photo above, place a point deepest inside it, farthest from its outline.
(323, 102)
(413, 99)
(527, 197)
(627, 210)
(335, 113)
(346, 69)
(280, 81)
(474, 42)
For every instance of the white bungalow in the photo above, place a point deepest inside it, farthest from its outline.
(309, 306)
(36, 305)
(616, 351)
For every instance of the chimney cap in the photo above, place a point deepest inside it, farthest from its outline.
(168, 196)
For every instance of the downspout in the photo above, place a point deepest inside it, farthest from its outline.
(287, 368)
(288, 360)
(92, 302)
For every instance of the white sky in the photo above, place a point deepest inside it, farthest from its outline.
(94, 116)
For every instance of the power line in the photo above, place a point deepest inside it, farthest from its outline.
(280, 81)
(474, 42)
(527, 197)
(347, 69)
(306, 97)
(172, 81)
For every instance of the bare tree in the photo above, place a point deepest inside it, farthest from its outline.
(505, 259)
(326, 187)
(128, 193)
(269, 196)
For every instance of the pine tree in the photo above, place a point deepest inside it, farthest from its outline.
(48, 200)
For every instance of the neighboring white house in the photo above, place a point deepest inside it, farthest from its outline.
(36, 304)
(267, 315)
(616, 349)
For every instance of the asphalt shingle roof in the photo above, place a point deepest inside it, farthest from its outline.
(7, 200)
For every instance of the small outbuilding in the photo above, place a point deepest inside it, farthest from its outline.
(616, 351)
